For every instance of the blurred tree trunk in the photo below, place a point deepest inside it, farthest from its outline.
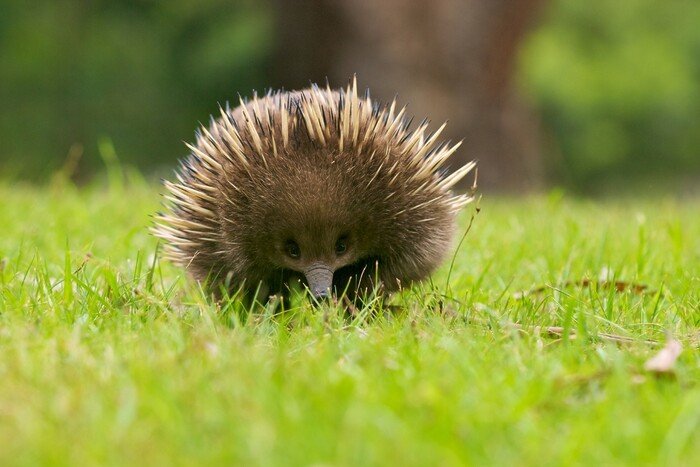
(448, 59)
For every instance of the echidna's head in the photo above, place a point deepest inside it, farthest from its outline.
(318, 184)
(310, 215)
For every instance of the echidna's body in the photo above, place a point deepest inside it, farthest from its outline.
(318, 185)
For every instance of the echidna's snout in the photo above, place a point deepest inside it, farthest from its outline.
(319, 278)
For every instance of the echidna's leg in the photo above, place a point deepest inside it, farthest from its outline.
(258, 296)
(358, 282)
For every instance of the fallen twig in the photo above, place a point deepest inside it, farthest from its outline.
(558, 331)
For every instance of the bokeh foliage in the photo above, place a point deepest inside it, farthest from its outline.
(139, 73)
(618, 87)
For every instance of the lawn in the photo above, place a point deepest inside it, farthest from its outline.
(110, 357)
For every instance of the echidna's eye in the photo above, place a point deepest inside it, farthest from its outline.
(341, 245)
(292, 249)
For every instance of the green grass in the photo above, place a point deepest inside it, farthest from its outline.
(110, 357)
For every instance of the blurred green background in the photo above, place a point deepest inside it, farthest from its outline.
(139, 74)
(613, 87)
(617, 86)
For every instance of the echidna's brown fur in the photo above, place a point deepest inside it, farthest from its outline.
(312, 169)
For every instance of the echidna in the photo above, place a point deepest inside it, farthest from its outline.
(317, 185)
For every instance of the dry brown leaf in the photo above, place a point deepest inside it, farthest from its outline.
(619, 286)
(665, 359)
